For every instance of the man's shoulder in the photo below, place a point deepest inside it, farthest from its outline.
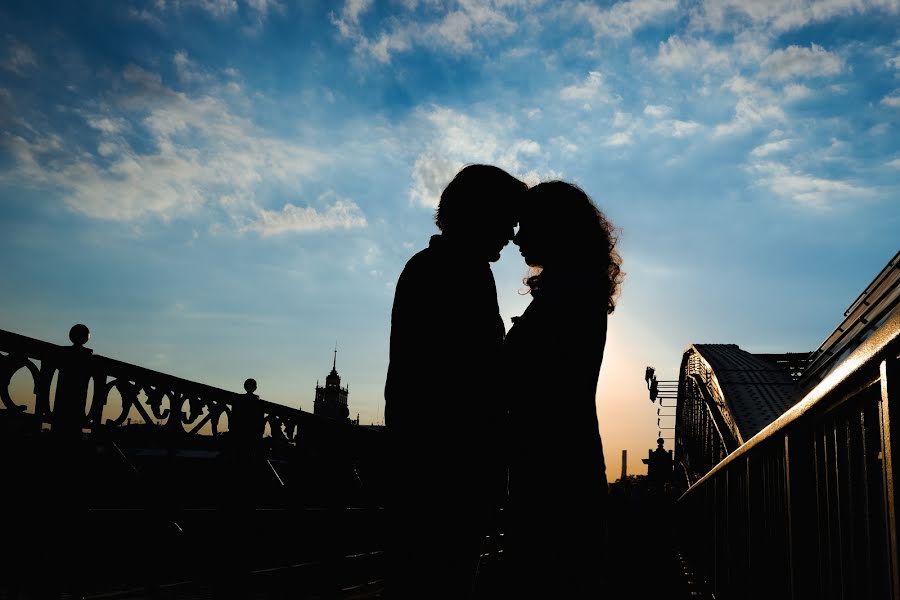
(424, 261)
(419, 271)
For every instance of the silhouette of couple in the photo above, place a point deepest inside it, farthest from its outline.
(478, 418)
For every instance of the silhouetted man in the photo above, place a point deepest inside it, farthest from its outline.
(443, 409)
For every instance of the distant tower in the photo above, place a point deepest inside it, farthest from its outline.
(624, 464)
(331, 400)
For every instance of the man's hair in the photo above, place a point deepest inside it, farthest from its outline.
(477, 190)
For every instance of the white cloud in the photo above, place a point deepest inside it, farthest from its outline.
(893, 100)
(475, 18)
(187, 70)
(895, 164)
(623, 18)
(254, 14)
(19, 57)
(455, 139)
(354, 8)
(457, 30)
(678, 54)
(201, 153)
(656, 111)
(590, 89)
(218, 8)
(749, 113)
(264, 7)
(107, 125)
(795, 91)
(147, 16)
(107, 149)
(621, 138)
(565, 146)
(893, 62)
(778, 15)
(806, 190)
(795, 61)
(621, 119)
(769, 148)
(340, 214)
(741, 86)
(526, 147)
(750, 47)
(432, 171)
(677, 128)
(348, 23)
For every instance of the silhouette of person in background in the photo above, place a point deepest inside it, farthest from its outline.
(442, 405)
(553, 352)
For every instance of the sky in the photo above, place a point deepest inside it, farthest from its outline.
(224, 189)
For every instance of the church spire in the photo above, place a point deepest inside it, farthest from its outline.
(331, 400)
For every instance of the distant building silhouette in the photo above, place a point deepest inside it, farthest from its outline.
(331, 400)
(659, 464)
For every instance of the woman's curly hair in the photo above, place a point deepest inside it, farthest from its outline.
(579, 237)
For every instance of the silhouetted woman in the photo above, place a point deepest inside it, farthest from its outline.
(557, 476)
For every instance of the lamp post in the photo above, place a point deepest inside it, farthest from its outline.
(662, 391)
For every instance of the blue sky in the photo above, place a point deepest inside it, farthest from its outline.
(220, 189)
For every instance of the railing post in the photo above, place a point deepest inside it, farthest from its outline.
(801, 512)
(890, 407)
(68, 416)
(245, 424)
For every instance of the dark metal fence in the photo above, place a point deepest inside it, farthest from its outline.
(807, 508)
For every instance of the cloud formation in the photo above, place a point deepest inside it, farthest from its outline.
(458, 28)
(622, 19)
(778, 16)
(749, 113)
(679, 54)
(589, 90)
(892, 100)
(201, 154)
(19, 58)
(795, 61)
(339, 214)
(457, 139)
(806, 190)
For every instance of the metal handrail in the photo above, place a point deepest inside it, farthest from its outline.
(847, 374)
(807, 507)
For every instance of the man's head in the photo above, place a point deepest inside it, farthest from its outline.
(478, 206)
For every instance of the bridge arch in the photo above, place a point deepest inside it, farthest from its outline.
(725, 396)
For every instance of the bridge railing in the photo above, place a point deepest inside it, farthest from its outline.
(63, 377)
(110, 459)
(807, 508)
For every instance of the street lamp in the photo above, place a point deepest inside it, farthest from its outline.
(661, 390)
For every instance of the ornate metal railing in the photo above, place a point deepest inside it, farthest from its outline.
(177, 406)
(807, 508)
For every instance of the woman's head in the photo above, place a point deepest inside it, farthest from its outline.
(562, 231)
